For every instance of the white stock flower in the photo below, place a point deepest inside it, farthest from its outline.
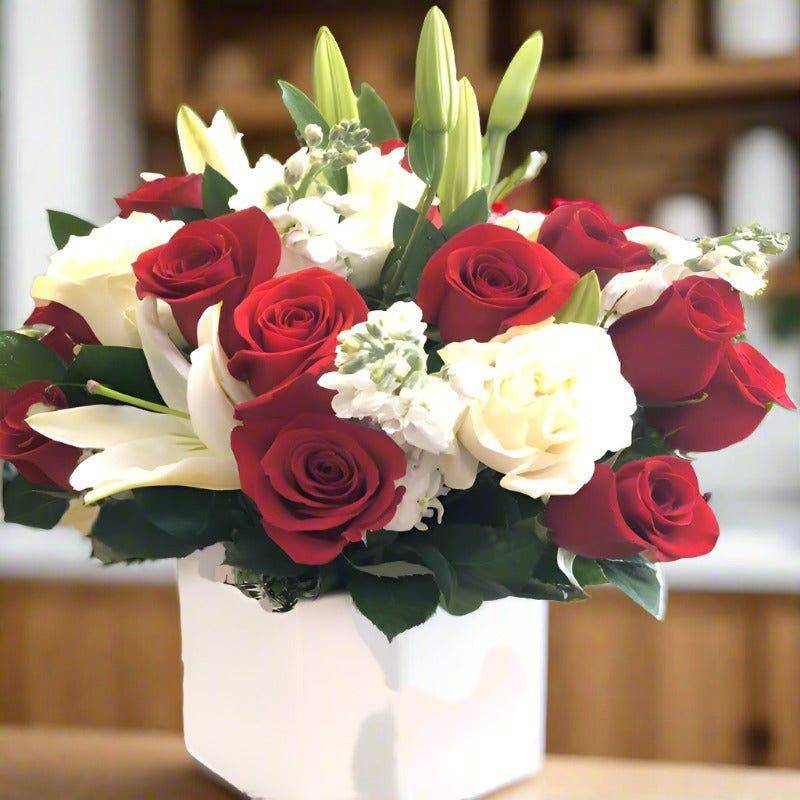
(555, 403)
(663, 245)
(381, 378)
(424, 485)
(188, 444)
(92, 274)
(308, 236)
(526, 223)
(254, 185)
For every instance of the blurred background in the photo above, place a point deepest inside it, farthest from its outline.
(681, 113)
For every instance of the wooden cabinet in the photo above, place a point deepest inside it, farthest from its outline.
(717, 681)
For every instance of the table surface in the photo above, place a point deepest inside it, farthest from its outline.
(63, 764)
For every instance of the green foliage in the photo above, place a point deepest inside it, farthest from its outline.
(375, 115)
(473, 211)
(393, 604)
(641, 581)
(187, 214)
(25, 503)
(217, 191)
(428, 241)
(122, 534)
(250, 548)
(186, 513)
(122, 368)
(584, 302)
(24, 359)
(426, 153)
(63, 225)
(301, 108)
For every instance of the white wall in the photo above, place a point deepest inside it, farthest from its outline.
(69, 127)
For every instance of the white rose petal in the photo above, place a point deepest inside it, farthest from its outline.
(93, 274)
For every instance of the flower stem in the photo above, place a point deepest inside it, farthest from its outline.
(93, 387)
(422, 215)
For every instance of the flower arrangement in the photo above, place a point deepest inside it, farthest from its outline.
(360, 370)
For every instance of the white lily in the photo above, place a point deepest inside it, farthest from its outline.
(218, 145)
(184, 444)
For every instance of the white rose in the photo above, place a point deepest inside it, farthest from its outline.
(92, 274)
(555, 403)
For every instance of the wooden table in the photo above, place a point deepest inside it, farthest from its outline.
(64, 764)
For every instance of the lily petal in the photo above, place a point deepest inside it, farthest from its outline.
(168, 366)
(208, 334)
(100, 426)
(211, 411)
(158, 461)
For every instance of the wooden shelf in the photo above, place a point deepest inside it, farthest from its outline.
(640, 81)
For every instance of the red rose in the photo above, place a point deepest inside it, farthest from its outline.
(207, 262)
(390, 145)
(288, 326)
(740, 393)
(487, 279)
(64, 329)
(585, 238)
(39, 459)
(653, 505)
(670, 349)
(160, 196)
(319, 482)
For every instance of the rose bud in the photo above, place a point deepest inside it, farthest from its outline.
(319, 482)
(64, 329)
(585, 238)
(161, 195)
(487, 279)
(287, 327)
(208, 262)
(654, 505)
(670, 350)
(38, 459)
(738, 396)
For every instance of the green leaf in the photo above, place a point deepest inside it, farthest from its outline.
(473, 211)
(25, 503)
(535, 589)
(393, 605)
(217, 191)
(375, 115)
(429, 240)
(122, 368)
(251, 549)
(301, 108)
(392, 569)
(187, 214)
(584, 302)
(24, 359)
(505, 555)
(424, 153)
(640, 580)
(186, 513)
(122, 534)
(432, 558)
(63, 225)
(580, 571)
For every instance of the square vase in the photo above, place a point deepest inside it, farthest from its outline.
(316, 704)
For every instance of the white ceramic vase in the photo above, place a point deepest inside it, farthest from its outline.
(316, 704)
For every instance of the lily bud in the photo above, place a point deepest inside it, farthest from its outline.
(463, 167)
(333, 92)
(514, 92)
(435, 89)
(218, 145)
